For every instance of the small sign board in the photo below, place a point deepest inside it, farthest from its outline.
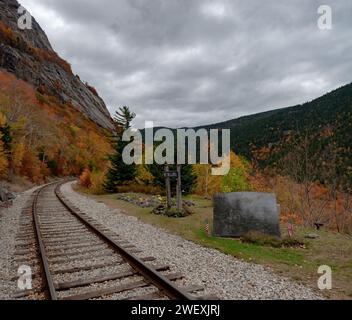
(171, 174)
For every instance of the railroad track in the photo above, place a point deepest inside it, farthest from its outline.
(73, 257)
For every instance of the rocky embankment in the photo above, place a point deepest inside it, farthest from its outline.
(29, 55)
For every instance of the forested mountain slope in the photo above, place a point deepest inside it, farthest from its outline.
(323, 126)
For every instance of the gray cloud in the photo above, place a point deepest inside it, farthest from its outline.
(192, 62)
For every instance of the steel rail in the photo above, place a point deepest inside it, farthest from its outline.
(43, 255)
(154, 277)
(150, 275)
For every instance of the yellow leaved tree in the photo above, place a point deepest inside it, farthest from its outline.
(3, 157)
(236, 180)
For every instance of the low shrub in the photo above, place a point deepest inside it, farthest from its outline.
(97, 180)
(141, 200)
(171, 213)
(139, 188)
(85, 179)
(258, 238)
(53, 57)
(41, 98)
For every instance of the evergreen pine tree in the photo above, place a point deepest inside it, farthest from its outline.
(120, 173)
(123, 119)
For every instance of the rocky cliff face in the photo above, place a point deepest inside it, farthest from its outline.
(29, 55)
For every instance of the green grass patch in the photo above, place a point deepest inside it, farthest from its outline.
(251, 252)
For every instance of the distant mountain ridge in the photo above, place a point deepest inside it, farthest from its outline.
(325, 122)
(320, 131)
(268, 128)
(29, 55)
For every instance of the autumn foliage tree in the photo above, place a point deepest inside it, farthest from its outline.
(85, 179)
(236, 180)
(308, 180)
(3, 155)
(40, 138)
(3, 159)
(206, 184)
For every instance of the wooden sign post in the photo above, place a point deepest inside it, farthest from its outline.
(172, 174)
(168, 187)
(179, 189)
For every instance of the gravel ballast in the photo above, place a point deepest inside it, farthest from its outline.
(9, 225)
(221, 275)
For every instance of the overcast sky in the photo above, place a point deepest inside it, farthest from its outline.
(192, 62)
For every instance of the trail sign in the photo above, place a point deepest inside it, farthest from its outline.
(171, 174)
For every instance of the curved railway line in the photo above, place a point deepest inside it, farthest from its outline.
(73, 257)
